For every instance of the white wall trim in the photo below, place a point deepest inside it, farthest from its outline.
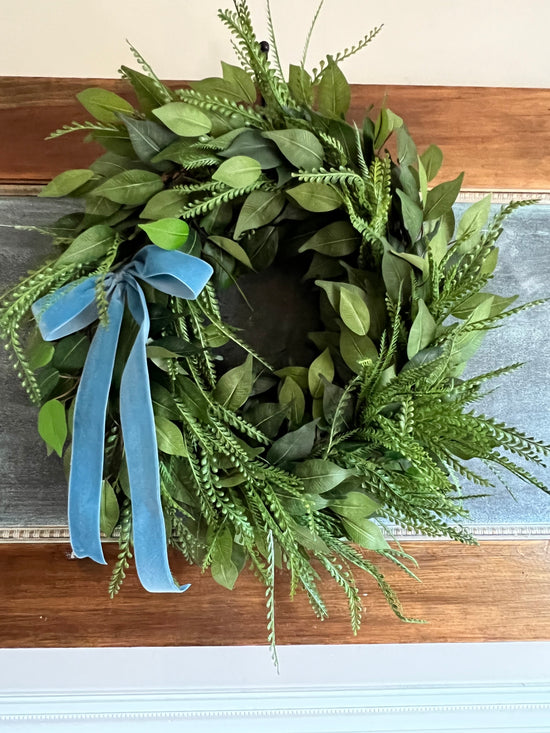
(321, 689)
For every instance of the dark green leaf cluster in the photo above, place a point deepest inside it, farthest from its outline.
(282, 469)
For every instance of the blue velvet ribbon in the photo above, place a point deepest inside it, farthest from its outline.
(72, 308)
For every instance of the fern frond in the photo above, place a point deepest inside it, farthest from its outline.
(86, 126)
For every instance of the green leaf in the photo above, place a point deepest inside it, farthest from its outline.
(300, 147)
(316, 197)
(441, 198)
(334, 94)
(165, 204)
(386, 123)
(291, 394)
(39, 352)
(148, 138)
(115, 141)
(367, 534)
(354, 505)
(167, 233)
(422, 330)
(89, 246)
(215, 86)
(354, 311)
(422, 181)
(234, 387)
(415, 260)
(337, 239)
(232, 248)
(193, 400)
(169, 437)
(412, 215)
(432, 158)
(164, 404)
(298, 374)
(319, 475)
(471, 224)
(238, 172)
(252, 144)
(294, 446)
(223, 569)
(406, 149)
(259, 208)
(184, 119)
(67, 182)
(240, 81)
(468, 306)
(130, 187)
(322, 366)
(262, 246)
(52, 425)
(355, 348)
(109, 509)
(300, 85)
(103, 104)
(396, 274)
(147, 92)
(71, 352)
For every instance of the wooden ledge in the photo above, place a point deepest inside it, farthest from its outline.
(499, 136)
(499, 591)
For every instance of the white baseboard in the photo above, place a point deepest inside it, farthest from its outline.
(489, 688)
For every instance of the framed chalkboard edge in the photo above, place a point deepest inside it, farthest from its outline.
(482, 532)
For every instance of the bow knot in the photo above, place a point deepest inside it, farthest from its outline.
(72, 308)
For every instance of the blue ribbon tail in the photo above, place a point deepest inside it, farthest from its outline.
(140, 443)
(86, 475)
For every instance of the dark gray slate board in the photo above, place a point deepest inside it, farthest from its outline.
(33, 487)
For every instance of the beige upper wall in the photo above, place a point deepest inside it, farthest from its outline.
(448, 42)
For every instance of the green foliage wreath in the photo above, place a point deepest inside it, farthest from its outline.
(299, 466)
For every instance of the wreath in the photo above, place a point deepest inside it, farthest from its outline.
(342, 411)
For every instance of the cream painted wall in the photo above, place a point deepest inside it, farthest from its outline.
(449, 42)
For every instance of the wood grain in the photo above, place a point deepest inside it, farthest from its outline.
(497, 592)
(499, 136)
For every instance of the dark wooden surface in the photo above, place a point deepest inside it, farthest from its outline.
(498, 135)
(497, 592)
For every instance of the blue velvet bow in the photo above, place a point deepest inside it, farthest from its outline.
(72, 308)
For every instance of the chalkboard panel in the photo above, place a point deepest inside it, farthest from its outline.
(33, 487)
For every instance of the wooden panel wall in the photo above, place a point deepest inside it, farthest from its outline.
(499, 591)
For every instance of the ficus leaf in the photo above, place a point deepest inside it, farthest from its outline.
(300, 147)
(259, 209)
(169, 437)
(238, 172)
(89, 246)
(422, 330)
(52, 425)
(321, 366)
(354, 311)
(354, 505)
(432, 159)
(334, 94)
(291, 394)
(167, 233)
(70, 352)
(337, 239)
(103, 104)
(355, 348)
(294, 446)
(109, 509)
(67, 182)
(165, 204)
(240, 81)
(234, 387)
(440, 199)
(367, 534)
(184, 119)
(232, 248)
(319, 475)
(130, 187)
(316, 197)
